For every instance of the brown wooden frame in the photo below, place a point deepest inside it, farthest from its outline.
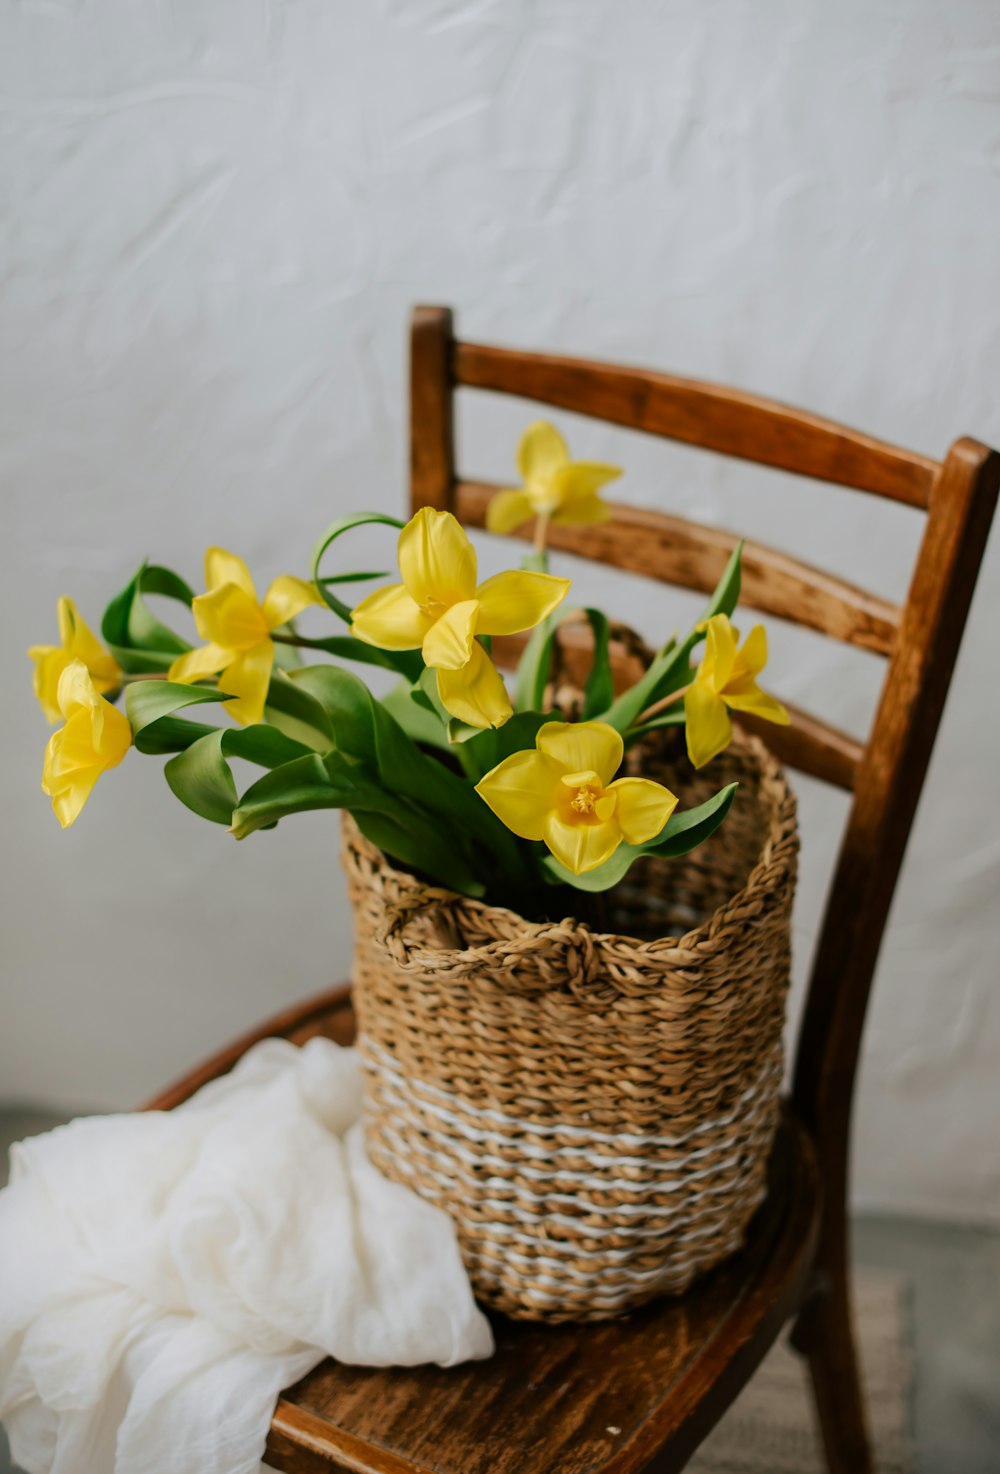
(885, 772)
(704, 1346)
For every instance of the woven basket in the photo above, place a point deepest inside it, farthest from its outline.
(594, 1110)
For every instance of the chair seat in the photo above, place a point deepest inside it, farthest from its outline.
(566, 1399)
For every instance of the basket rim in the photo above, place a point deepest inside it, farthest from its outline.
(766, 875)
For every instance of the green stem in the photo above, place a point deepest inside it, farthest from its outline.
(541, 534)
(467, 762)
(299, 641)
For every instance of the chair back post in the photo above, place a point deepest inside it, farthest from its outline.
(887, 788)
(432, 434)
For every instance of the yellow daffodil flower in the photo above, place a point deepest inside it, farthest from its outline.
(725, 678)
(439, 609)
(238, 630)
(77, 642)
(554, 486)
(563, 793)
(95, 738)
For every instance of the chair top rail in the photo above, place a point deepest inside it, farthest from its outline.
(710, 416)
(677, 551)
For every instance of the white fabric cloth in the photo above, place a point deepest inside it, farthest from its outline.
(163, 1276)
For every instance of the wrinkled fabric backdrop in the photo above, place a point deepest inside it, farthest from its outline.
(215, 220)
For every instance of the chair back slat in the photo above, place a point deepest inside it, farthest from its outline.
(677, 551)
(727, 421)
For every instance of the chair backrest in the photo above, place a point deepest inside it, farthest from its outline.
(885, 771)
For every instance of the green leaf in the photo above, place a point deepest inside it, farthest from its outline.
(459, 732)
(656, 682)
(727, 590)
(681, 833)
(148, 701)
(409, 663)
(491, 746)
(169, 734)
(534, 666)
(202, 778)
(425, 692)
(366, 731)
(690, 828)
(310, 782)
(599, 691)
(335, 782)
(672, 717)
(353, 577)
(348, 647)
(294, 712)
(335, 530)
(399, 839)
(135, 637)
(416, 716)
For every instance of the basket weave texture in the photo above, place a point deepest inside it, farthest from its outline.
(594, 1110)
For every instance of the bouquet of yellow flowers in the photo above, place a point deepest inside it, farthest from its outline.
(485, 792)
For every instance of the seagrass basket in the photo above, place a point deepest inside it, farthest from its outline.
(593, 1109)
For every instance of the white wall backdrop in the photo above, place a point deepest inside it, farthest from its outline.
(215, 218)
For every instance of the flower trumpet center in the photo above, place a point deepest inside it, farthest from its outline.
(587, 801)
(545, 498)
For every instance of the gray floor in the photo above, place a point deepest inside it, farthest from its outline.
(954, 1275)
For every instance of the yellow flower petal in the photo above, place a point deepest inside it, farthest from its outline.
(752, 699)
(643, 808)
(68, 799)
(707, 726)
(541, 451)
(287, 597)
(230, 617)
(222, 567)
(514, 601)
(50, 662)
(752, 658)
(195, 665)
(606, 805)
(475, 694)
(720, 652)
(521, 791)
(586, 778)
(95, 738)
(80, 643)
(448, 642)
(587, 510)
(436, 559)
(581, 746)
(247, 679)
(391, 620)
(581, 847)
(580, 480)
(76, 691)
(509, 509)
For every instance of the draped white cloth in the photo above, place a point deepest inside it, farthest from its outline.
(163, 1276)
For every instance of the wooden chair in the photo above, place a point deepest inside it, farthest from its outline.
(644, 1391)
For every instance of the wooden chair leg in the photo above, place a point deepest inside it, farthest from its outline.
(824, 1334)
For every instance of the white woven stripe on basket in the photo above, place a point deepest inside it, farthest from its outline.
(386, 1065)
(562, 1231)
